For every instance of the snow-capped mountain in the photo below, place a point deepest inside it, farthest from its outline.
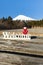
(22, 17)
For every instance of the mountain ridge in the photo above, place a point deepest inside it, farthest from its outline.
(22, 17)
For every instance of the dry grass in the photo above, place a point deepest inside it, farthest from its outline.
(33, 31)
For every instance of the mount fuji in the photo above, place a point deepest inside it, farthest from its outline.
(22, 17)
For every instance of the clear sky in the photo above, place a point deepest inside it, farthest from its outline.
(31, 8)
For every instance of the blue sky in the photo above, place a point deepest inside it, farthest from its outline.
(31, 8)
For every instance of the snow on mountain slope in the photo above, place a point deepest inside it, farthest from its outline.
(22, 17)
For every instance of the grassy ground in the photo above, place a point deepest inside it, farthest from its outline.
(21, 46)
(33, 31)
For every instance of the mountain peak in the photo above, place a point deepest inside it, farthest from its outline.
(22, 17)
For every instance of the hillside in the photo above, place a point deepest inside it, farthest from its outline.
(9, 23)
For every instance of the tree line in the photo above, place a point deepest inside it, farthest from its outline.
(8, 23)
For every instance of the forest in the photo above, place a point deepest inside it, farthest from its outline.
(8, 23)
